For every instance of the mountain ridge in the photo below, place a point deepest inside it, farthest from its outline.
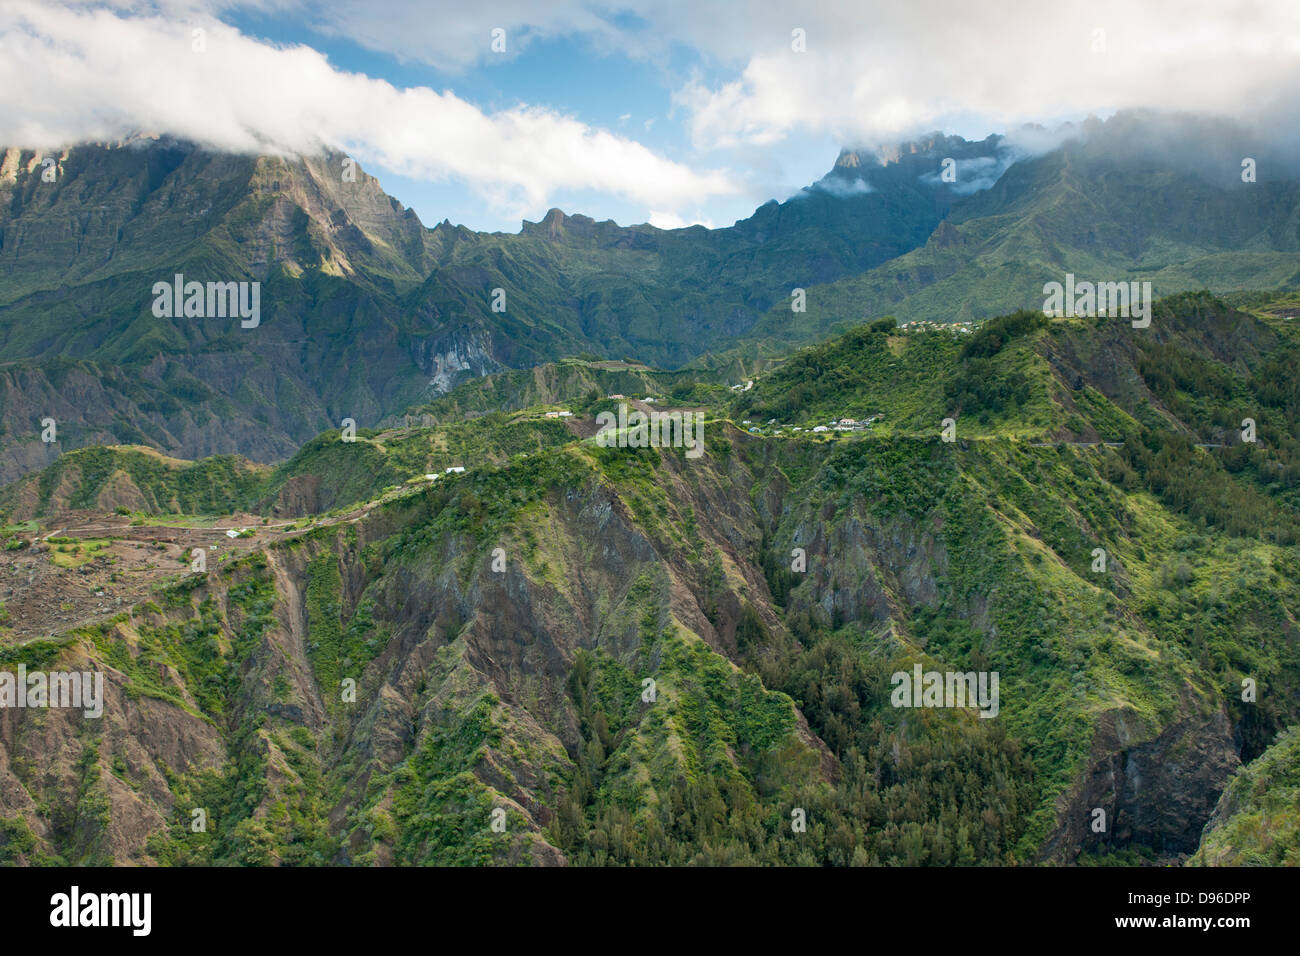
(367, 312)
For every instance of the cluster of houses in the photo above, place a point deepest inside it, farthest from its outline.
(847, 425)
(560, 414)
(925, 325)
(453, 470)
(748, 384)
(835, 425)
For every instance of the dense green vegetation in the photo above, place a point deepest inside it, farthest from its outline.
(913, 381)
(1095, 207)
(647, 678)
(85, 478)
(576, 384)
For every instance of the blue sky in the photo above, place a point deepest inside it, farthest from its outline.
(671, 112)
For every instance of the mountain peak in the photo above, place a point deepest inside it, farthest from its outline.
(848, 159)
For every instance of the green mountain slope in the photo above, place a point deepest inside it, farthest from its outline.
(639, 657)
(1100, 208)
(364, 312)
(135, 479)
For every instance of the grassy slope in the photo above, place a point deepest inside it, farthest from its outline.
(1257, 822)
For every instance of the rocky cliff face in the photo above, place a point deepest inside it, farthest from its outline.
(102, 210)
(81, 252)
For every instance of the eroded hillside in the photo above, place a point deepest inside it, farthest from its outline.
(570, 653)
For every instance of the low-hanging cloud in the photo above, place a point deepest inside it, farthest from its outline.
(977, 174)
(841, 188)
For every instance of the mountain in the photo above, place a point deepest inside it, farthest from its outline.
(668, 296)
(364, 312)
(622, 656)
(1141, 197)
(79, 258)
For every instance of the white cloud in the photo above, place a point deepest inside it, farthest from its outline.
(977, 173)
(69, 74)
(843, 189)
(912, 67)
(670, 220)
